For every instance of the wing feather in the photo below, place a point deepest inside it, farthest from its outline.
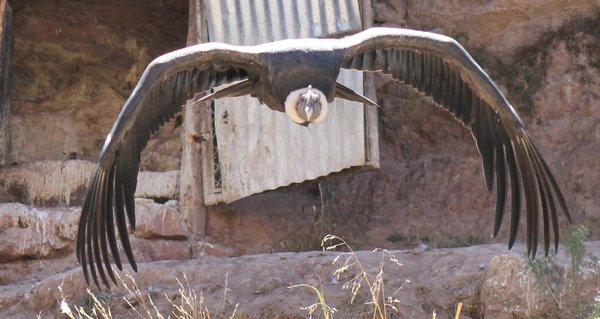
(441, 68)
(162, 90)
(435, 65)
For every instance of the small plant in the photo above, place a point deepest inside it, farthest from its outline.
(548, 274)
(326, 310)
(542, 268)
(595, 308)
(576, 247)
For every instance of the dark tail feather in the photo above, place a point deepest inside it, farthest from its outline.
(241, 88)
(347, 93)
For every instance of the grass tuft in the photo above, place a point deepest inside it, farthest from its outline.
(187, 304)
(380, 303)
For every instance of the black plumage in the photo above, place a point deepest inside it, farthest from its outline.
(433, 64)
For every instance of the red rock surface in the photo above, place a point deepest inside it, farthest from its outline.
(76, 62)
(430, 186)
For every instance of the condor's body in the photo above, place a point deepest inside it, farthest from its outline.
(299, 77)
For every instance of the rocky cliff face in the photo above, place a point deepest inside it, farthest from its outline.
(430, 186)
(544, 57)
(76, 62)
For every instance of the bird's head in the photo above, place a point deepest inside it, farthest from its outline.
(306, 105)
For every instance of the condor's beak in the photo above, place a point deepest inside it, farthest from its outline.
(311, 103)
(308, 110)
(306, 106)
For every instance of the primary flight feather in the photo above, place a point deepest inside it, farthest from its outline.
(298, 77)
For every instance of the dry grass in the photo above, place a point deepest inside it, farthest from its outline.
(366, 289)
(380, 304)
(187, 305)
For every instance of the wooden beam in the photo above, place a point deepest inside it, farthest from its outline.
(191, 195)
(6, 49)
(370, 87)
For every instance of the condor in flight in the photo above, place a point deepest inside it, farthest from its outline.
(299, 77)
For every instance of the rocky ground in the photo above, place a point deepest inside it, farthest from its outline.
(489, 282)
(76, 62)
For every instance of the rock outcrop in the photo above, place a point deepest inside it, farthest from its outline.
(63, 183)
(38, 234)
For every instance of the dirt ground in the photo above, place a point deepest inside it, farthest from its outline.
(489, 283)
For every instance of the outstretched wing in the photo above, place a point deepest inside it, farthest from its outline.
(439, 67)
(163, 88)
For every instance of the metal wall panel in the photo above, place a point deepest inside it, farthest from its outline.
(247, 22)
(258, 149)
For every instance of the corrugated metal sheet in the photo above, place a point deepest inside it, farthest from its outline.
(258, 149)
(246, 22)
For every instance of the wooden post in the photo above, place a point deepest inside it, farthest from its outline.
(6, 47)
(191, 196)
(370, 87)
